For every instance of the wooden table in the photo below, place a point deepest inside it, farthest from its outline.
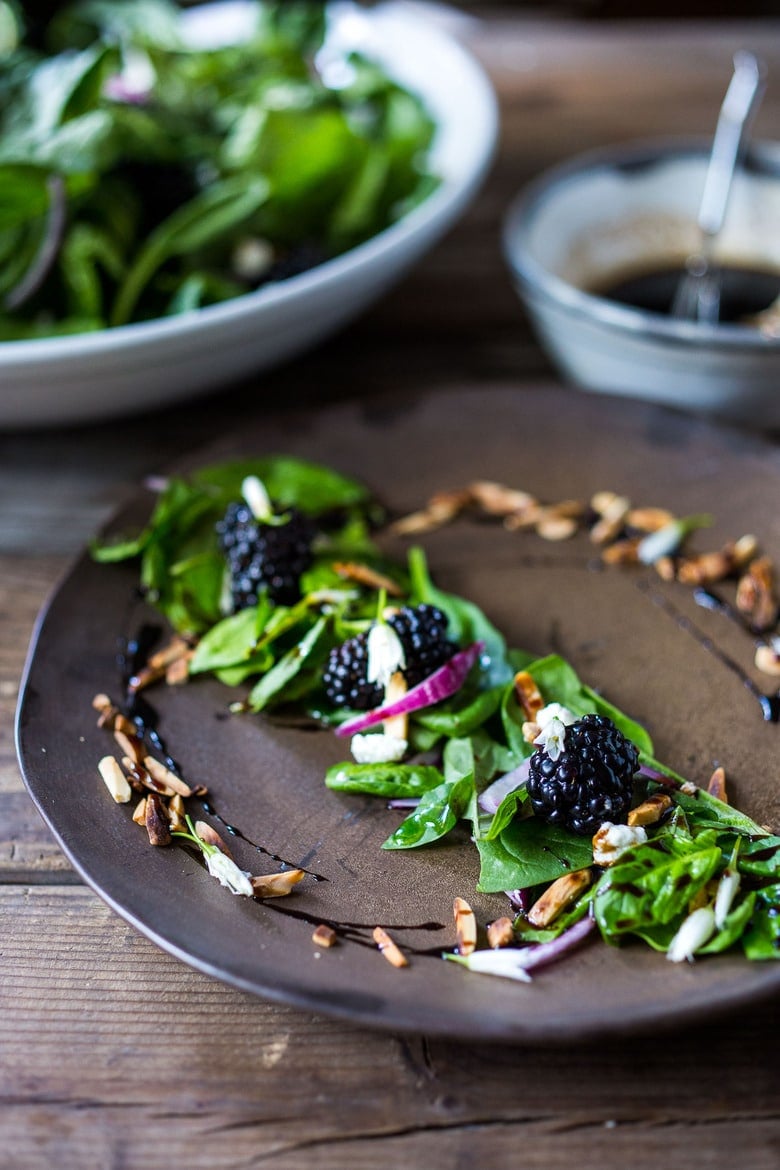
(113, 1054)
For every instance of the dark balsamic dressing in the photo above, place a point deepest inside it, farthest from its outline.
(769, 703)
(745, 291)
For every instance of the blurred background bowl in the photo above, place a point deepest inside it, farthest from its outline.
(582, 226)
(134, 367)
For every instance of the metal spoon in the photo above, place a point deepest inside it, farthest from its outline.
(697, 296)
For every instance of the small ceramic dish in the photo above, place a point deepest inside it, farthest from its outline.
(583, 228)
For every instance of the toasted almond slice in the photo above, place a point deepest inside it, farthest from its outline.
(500, 933)
(159, 662)
(324, 936)
(157, 825)
(465, 927)
(524, 518)
(554, 528)
(649, 519)
(102, 703)
(176, 814)
(665, 568)
(650, 811)
(528, 694)
(622, 552)
(601, 502)
(745, 550)
(138, 776)
(558, 896)
(139, 813)
(365, 575)
(756, 594)
(439, 510)
(179, 671)
(211, 837)
(114, 779)
(396, 725)
(130, 745)
(165, 776)
(612, 520)
(498, 500)
(716, 785)
(710, 567)
(389, 949)
(276, 885)
(767, 660)
(531, 730)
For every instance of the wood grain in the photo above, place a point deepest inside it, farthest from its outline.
(139, 1061)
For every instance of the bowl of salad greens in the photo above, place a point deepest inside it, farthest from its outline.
(191, 196)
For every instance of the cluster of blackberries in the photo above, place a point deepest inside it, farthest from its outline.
(265, 557)
(422, 630)
(590, 782)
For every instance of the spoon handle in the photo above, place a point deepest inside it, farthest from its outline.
(741, 101)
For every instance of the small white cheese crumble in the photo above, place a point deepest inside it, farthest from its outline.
(612, 841)
(378, 748)
(552, 722)
(385, 653)
(252, 258)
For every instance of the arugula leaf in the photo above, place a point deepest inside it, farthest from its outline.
(650, 889)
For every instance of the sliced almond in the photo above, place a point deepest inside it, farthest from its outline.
(650, 811)
(767, 660)
(396, 725)
(554, 528)
(498, 500)
(159, 663)
(558, 896)
(622, 552)
(649, 519)
(528, 694)
(139, 813)
(276, 885)
(165, 776)
(708, 568)
(115, 780)
(130, 745)
(211, 837)
(465, 927)
(612, 517)
(439, 510)
(156, 821)
(716, 786)
(665, 568)
(178, 672)
(531, 731)
(176, 814)
(756, 594)
(365, 575)
(388, 948)
(324, 936)
(524, 518)
(500, 933)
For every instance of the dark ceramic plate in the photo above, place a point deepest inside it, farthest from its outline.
(267, 779)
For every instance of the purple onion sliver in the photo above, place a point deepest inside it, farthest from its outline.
(521, 900)
(404, 802)
(443, 683)
(541, 954)
(491, 798)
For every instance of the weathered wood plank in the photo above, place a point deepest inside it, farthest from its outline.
(85, 1079)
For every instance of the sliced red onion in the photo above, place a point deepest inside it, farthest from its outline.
(491, 798)
(404, 802)
(521, 900)
(442, 684)
(540, 954)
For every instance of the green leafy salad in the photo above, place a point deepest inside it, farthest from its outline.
(272, 572)
(144, 176)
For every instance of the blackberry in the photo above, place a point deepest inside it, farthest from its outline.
(590, 782)
(422, 630)
(262, 556)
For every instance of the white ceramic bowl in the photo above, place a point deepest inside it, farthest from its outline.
(135, 367)
(621, 210)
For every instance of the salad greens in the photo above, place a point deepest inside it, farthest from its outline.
(143, 176)
(703, 870)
